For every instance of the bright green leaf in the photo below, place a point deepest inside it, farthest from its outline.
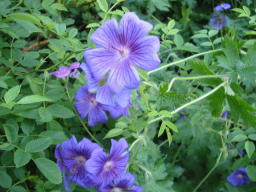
(33, 99)
(250, 148)
(11, 94)
(113, 133)
(103, 5)
(21, 158)
(38, 145)
(49, 169)
(251, 171)
(239, 138)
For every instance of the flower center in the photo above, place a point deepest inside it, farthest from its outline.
(116, 189)
(108, 166)
(79, 161)
(124, 52)
(240, 176)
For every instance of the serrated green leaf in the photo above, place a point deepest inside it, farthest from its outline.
(49, 169)
(21, 158)
(33, 99)
(11, 94)
(250, 148)
(38, 145)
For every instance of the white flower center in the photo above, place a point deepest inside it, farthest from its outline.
(108, 166)
(116, 189)
(124, 52)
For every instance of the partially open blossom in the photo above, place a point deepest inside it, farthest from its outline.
(238, 177)
(218, 21)
(104, 94)
(121, 48)
(225, 114)
(222, 6)
(107, 167)
(65, 71)
(71, 158)
(124, 183)
(86, 104)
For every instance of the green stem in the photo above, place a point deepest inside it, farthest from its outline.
(209, 173)
(105, 17)
(193, 78)
(199, 98)
(183, 60)
(191, 102)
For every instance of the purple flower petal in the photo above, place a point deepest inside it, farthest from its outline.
(144, 54)
(75, 65)
(62, 72)
(101, 61)
(222, 6)
(97, 115)
(123, 76)
(91, 81)
(105, 96)
(107, 35)
(132, 29)
(86, 104)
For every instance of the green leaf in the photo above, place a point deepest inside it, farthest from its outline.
(26, 17)
(251, 172)
(171, 126)
(250, 148)
(49, 169)
(60, 111)
(33, 99)
(6, 180)
(44, 114)
(21, 158)
(239, 138)
(113, 133)
(162, 129)
(252, 137)
(103, 5)
(11, 132)
(169, 136)
(11, 94)
(38, 145)
(59, 7)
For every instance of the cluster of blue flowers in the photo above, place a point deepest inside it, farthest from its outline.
(86, 164)
(219, 20)
(110, 68)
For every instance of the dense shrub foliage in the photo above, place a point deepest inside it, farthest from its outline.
(127, 95)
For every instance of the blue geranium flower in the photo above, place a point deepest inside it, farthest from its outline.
(222, 6)
(218, 21)
(121, 48)
(238, 177)
(71, 158)
(107, 167)
(124, 183)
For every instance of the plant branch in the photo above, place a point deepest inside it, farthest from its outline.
(209, 173)
(183, 60)
(44, 42)
(193, 78)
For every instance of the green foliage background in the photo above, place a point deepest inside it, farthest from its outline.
(169, 152)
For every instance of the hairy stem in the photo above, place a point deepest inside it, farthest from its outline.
(183, 60)
(193, 78)
(209, 173)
